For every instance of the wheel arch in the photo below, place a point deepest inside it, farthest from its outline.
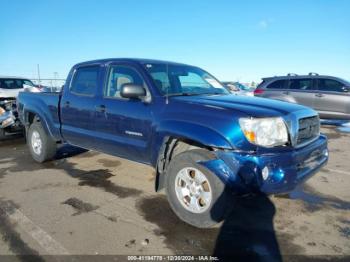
(171, 147)
(30, 117)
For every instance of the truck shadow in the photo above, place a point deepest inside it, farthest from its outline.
(66, 151)
(247, 232)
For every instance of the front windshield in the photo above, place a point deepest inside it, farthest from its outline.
(183, 80)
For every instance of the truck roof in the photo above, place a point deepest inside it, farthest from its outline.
(134, 60)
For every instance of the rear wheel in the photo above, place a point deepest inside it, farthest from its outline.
(41, 146)
(196, 195)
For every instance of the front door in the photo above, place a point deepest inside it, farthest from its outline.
(123, 126)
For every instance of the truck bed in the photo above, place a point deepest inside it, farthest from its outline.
(45, 105)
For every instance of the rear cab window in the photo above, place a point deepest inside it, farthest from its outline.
(85, 81)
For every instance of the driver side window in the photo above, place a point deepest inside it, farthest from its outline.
(119, 76)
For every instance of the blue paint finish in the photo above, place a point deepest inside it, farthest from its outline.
(46, 108)
(136, 130)
(242, 171)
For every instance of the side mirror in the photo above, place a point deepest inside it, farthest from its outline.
(132, 91)
(346, 89)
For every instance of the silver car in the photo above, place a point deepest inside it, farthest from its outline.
(328, 95)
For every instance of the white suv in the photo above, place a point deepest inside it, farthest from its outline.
(11, 86)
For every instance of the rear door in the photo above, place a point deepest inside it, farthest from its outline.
(123, 126)
(78, 106)
(302, 91)
(332, 98)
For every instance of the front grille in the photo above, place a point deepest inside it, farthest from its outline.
(309, 128)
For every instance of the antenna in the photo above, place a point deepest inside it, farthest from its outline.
(167, 88)
(38, 68)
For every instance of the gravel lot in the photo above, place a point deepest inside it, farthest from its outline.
(88, 203)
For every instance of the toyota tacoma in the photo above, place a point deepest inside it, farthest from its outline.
(206, 145)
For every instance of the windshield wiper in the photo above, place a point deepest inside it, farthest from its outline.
(215, 93)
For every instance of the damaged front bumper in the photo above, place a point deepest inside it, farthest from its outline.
(269, 173)
(7, 119)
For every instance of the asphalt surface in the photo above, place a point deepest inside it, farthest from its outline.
(88, 203)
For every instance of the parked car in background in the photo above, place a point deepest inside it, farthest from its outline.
(237, 88)
(328, 95)
(9, 122)
(9, 90)
(11, 86)
(204, 144)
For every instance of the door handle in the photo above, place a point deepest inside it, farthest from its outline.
(319, 95)
(66, 104)
(101, 108)
(285, 92)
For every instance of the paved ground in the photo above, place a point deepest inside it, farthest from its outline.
(91, 203)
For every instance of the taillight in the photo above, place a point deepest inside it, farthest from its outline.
(258, 91)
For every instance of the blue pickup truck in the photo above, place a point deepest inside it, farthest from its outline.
(206, 145)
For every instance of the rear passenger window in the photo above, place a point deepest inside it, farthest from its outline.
(85, 80)
(330, 85)
(300, 84)
(279, 84)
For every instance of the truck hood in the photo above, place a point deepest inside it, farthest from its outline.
(250, 106)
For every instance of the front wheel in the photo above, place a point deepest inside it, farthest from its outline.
(41, 146)
(196, 195)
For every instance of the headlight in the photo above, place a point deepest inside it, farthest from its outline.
(266, 132)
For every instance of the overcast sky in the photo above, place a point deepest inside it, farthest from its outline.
(234, 40)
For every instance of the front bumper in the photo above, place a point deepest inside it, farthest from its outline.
(7, 119)
(270, 173)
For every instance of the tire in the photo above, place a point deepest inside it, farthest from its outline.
(186, 163)
(47, 146)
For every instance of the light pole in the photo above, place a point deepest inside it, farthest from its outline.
(55, 76)
(38, 68)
